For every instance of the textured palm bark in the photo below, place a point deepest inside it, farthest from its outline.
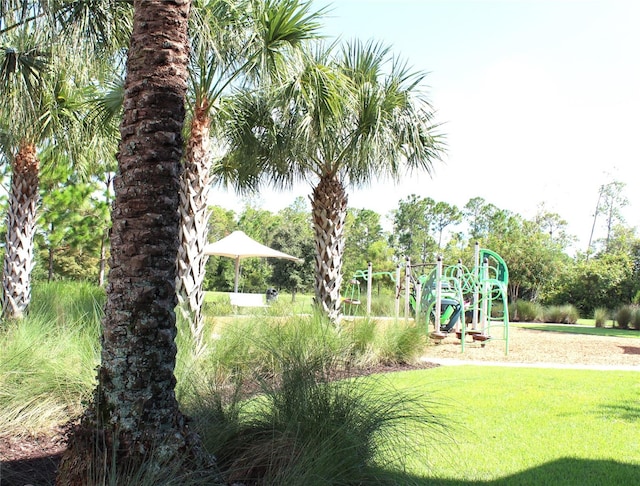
(21, 228)
(329, 209)
(194, 217)
(135, 406)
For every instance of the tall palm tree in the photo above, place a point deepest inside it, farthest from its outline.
(234, 43)
(343, 120)
(40, 106)
(134, 403)
(44, 66)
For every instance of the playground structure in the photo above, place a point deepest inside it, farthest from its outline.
(448, 298)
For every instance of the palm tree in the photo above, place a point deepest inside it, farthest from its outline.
(134, 405)
(235, 42)
(40, 106)
(343, 120)
(43, 81)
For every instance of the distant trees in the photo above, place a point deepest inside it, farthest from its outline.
(412, 229)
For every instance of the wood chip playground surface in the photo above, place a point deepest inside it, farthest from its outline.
(529, 347)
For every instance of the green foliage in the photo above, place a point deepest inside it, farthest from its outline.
(624, 316)
(534, 259)
(635, 320)
(412, 229)
(307, 428)
(294, 237)
(603, 281)
(72, 222)
(600, 315)
(365, 242)
(561, 314)
(525, 311)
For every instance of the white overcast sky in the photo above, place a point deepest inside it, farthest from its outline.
(539, 100)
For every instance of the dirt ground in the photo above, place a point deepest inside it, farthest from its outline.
(33, 460)
(543, 347)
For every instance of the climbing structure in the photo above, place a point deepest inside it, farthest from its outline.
(471, 302)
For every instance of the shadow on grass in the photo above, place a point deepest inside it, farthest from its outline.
(630, 349)
(579, 329)
(629, 413)
(566, 472)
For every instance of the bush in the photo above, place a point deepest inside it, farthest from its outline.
(601, 315)
(624, 316)
(561, 314)
(525, 311)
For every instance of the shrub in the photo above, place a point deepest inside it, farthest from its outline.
(600, 315)
(561, 314)
(624, 315)
(525, 311)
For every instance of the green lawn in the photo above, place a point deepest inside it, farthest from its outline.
(581, 329)
(529, 426)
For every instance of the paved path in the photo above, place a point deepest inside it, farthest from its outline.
(459, 362)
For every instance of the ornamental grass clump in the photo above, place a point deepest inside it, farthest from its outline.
(525, 311)
(600, 316)
(561, 314)
(310, 424)
(400, 343)
(624, 316)
(48, 359)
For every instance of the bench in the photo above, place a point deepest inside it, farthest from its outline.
(239, 299)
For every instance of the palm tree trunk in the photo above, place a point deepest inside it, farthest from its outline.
(194, 217)
(135, 406)
(329, 209)
(103, 258)
(21, 228)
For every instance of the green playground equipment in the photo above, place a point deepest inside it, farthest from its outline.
(352, 298)
(451, 295)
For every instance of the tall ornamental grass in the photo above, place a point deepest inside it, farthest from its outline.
(48, 359)
(308, 423)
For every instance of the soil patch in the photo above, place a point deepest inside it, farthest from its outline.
(532, 346)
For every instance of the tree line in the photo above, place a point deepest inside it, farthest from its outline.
(537, 250)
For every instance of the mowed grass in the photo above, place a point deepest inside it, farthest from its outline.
(530, 426)
(581, 329)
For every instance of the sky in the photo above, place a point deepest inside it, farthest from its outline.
(539, 102)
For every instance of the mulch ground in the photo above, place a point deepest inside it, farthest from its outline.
(33, 460)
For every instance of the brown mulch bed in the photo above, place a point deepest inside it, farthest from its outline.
(33, 460)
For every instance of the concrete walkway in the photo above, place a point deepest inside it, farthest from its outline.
(460, 362)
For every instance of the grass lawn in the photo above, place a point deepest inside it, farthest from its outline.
(580, 328)
(529, 426)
